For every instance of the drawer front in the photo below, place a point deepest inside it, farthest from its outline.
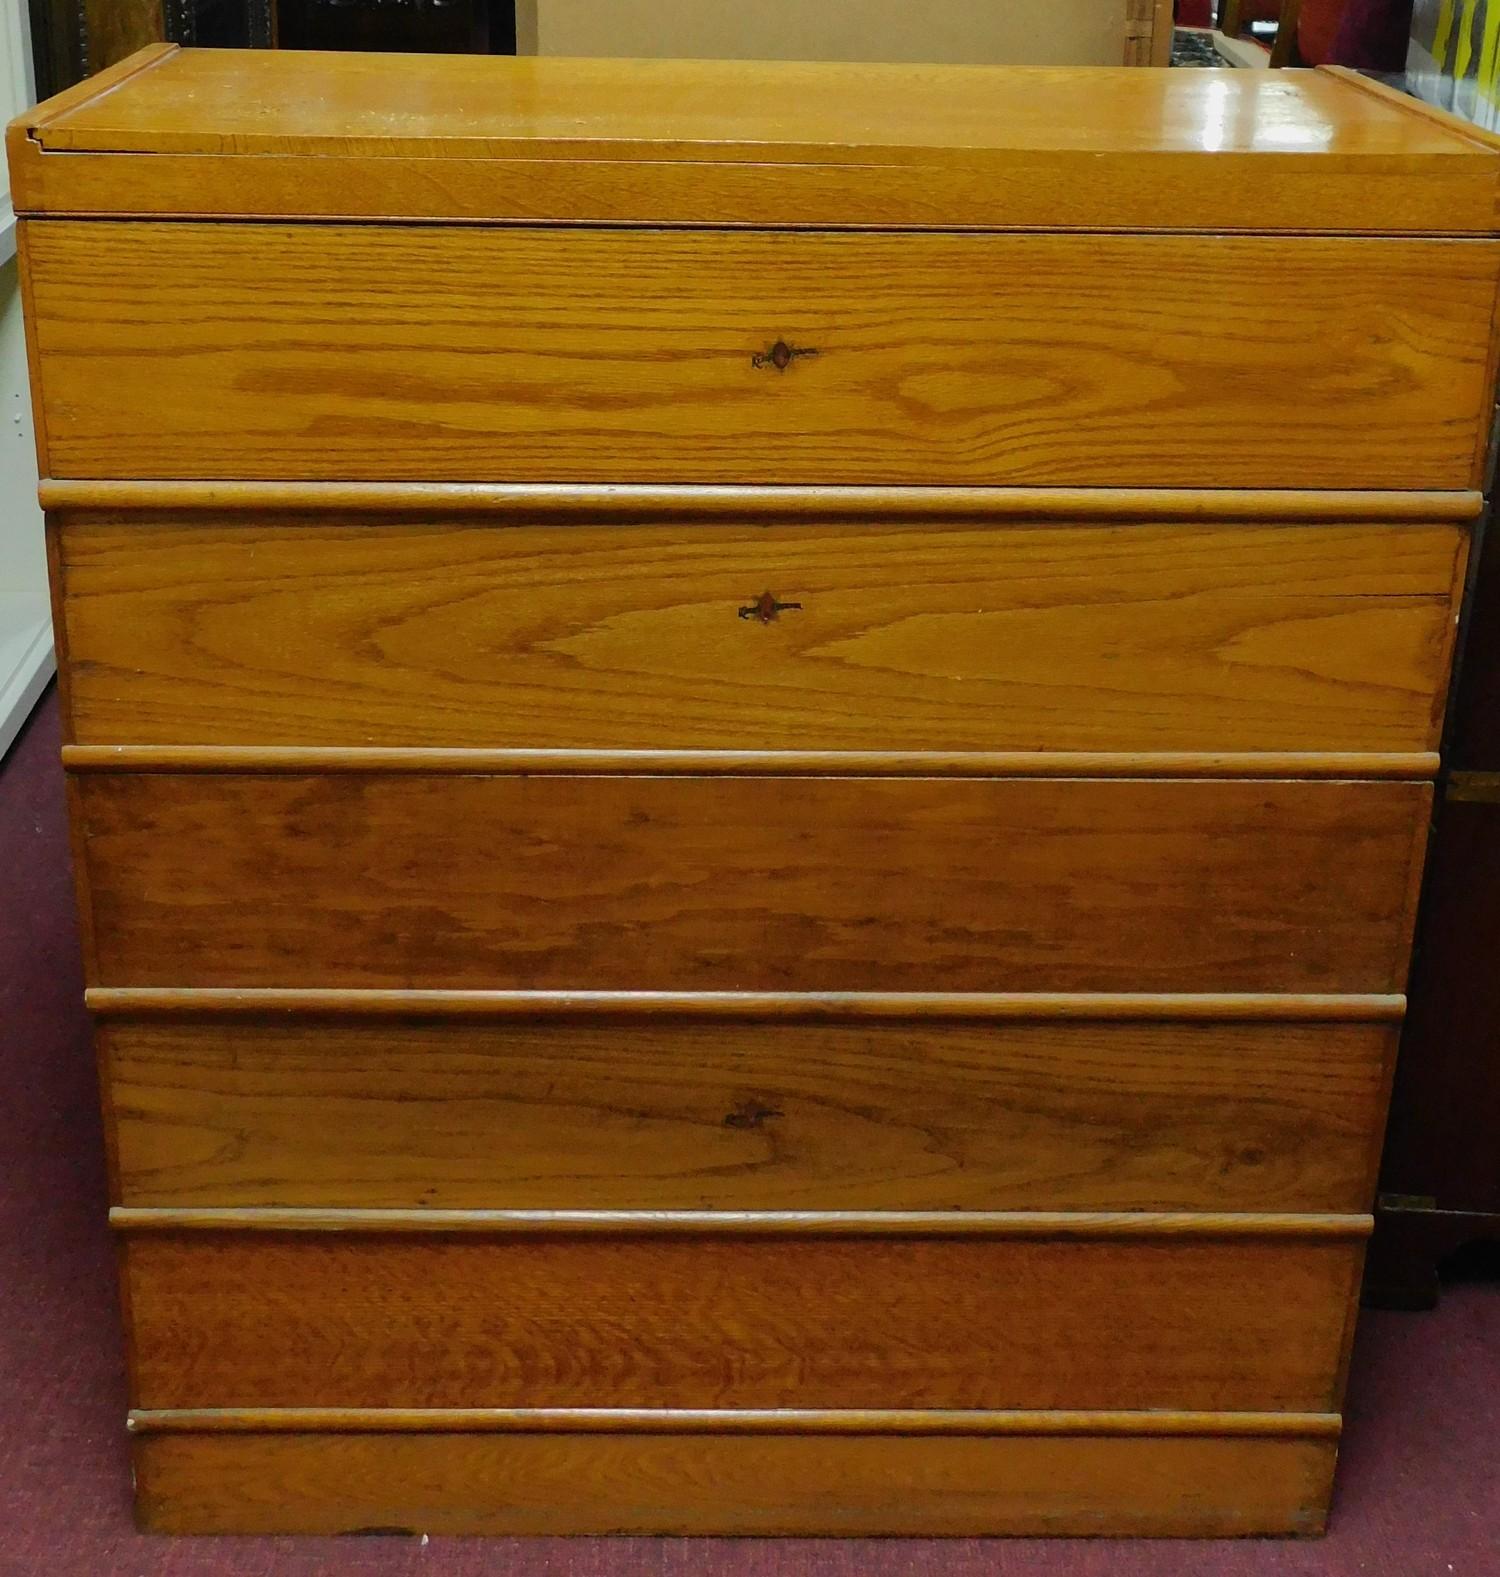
(340, 631)
(249, 1319)
(729, 1115)
(472, 354)
(724, 884)
(831, 1484)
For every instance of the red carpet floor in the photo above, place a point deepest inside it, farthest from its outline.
(1419, 1487)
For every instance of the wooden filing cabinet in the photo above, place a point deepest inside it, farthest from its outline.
(737, 877)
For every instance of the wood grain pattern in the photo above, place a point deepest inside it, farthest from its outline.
(807, 1484)
(479, 138)
(721, 110)
(248, 351)
(1285, 191)
(247, 1319)
(446, 632)
(751, 883)
(116, 30)
(724, 1116)
(581, 1054)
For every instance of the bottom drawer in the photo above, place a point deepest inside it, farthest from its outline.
(624, 1482)
(1205, 1313)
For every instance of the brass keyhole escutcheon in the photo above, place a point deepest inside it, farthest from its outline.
(781, 355)
(765, 608)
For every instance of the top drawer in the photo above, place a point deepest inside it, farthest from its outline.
(186, 350)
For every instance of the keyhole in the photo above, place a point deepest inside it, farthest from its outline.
(781, 355)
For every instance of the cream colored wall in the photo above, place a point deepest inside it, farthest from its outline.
(1010, 32)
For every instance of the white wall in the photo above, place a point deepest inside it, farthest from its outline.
(26, 660)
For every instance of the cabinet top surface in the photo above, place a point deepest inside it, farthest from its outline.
(746, 142)
(240, 101)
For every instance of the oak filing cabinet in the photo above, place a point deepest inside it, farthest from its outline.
(742, 870)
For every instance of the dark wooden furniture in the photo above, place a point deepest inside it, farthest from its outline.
(414, 26)
(724, 890)
(1440, 1178)
(74, 39)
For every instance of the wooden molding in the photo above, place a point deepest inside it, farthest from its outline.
(1351, 77)
(754, 1223)
(151, 1001)
(721, 1421)
(540, 500)
(93, 88)
(1417, 766)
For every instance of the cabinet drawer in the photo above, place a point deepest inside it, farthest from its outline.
(725, 884)
(487, 354)
(227, 1318)
(264, 630)
(691, 1482)
(679, 1114)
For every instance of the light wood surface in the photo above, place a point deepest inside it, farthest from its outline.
(244, 351)
(1282, 191)
(1393, 96)
(148, 1002)
(90, 89)
(1084, 1225)
(832, 1422)
(742, 142)
(447, 1483)
(1163, 18)
(751, 883)
(350, 631)
(733, 884)
(726, 1116)
(531, 503)
(1412, 765)
(234, 1319)
(572, 110)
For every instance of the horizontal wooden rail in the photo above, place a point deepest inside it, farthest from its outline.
(168, 1001)
(758, 1223)
(291, 759)
(534, 501)
(721, 1421)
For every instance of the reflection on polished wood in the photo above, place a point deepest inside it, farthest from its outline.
(192, 101)
(752, 143)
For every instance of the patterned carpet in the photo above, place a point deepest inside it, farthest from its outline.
(1194, 49)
